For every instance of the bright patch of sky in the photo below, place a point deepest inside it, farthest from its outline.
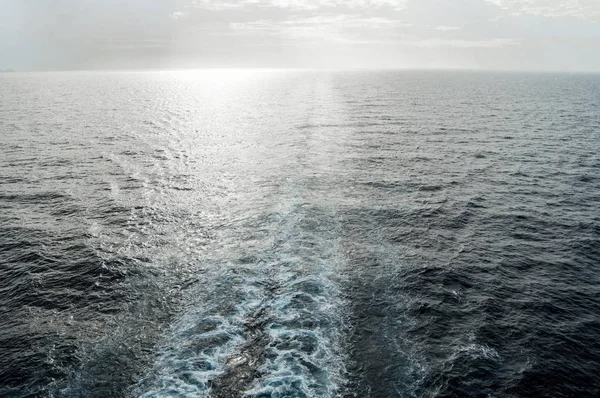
(151, 34)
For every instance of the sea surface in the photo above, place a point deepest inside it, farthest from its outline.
(262, 233)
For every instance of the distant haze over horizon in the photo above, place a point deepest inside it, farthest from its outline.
(528, 35)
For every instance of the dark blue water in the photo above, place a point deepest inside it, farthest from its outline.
(299, 234)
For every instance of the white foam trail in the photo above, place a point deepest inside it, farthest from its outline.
(208, 332)
(289, 295)
(305, 354)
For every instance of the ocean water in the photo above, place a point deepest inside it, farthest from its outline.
(299, 234)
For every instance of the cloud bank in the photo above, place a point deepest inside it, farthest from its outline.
(147, 34)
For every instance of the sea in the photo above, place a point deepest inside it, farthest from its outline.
(295, 233)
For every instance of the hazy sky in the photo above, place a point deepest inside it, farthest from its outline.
(150, 34)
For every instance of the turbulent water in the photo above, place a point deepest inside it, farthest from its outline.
(299, 234)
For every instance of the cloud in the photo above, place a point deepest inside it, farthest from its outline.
(580, 9)
(215, 5)
(444, 28)
(134, 44)
(179, 14)
(332, 28)
(323, 21)
(298, 4)
(438, 42)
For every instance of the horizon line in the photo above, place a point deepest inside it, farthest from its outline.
(301, 69)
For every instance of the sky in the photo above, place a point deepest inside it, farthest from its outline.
(536, 35)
